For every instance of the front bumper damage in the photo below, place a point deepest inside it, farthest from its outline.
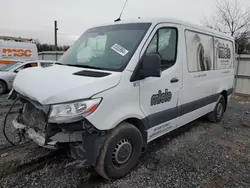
(40, 137)
(84, 139)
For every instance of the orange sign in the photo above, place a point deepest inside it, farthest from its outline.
(12, 52)
(5, 62)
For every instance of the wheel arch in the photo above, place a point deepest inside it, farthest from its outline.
(5, 83)
(224, 94)
(139, 124)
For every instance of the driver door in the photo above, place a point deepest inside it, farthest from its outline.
(159, 95)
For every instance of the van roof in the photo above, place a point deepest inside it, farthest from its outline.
(156, 21)
(17, 44)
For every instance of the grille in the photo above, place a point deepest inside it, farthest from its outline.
(33, 117)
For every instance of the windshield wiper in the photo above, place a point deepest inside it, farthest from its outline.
(60, 64)
(78, 65)
(84, 66)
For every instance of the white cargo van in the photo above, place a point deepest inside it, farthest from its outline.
(123, 85)
(11, 52)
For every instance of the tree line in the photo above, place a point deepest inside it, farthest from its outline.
(49, 47)
(232, 17)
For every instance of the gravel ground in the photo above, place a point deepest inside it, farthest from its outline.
(200, 154)
(4, 107)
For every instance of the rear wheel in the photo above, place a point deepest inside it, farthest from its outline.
(217, 114)
(3, 87)
(120, 152)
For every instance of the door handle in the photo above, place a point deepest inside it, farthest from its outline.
(174, 80)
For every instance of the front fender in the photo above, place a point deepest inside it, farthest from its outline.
(119, 103)
(105, 119)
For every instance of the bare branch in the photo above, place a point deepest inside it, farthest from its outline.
(231, 16)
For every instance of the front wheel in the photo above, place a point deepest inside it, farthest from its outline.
(3, 87)
(120, 152)
(217, 114)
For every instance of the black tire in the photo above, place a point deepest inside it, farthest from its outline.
(107, 165)
(217, 114)
(3, 87)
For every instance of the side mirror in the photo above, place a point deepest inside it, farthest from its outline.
(151, 66)
(18, 70)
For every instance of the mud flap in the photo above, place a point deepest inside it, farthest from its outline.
(89, 149)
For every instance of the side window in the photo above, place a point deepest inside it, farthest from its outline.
(28, 65)
(33, 64)
(164, 43)
(199, 51)
(152, 48)
(43, 64)
(223, 51)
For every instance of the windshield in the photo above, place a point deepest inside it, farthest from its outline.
(9, 67)
(107, 47)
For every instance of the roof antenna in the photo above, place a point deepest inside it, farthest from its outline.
(119, 19)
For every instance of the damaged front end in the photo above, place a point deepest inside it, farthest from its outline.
(83, 138)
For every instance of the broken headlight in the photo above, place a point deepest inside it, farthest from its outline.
(72, 112)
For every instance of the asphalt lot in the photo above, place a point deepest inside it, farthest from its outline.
(200, 154)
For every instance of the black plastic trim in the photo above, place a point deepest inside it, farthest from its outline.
(92, 141)
(230, 91)
(172, 113)
(95, 74)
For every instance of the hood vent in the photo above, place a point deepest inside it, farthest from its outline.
(91, 73)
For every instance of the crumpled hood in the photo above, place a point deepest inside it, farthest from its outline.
(57, 84)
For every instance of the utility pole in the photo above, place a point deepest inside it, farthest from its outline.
(56, 35)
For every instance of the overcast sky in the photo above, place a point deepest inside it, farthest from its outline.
(35, 18)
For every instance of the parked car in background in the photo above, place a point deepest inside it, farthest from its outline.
(8, 72)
